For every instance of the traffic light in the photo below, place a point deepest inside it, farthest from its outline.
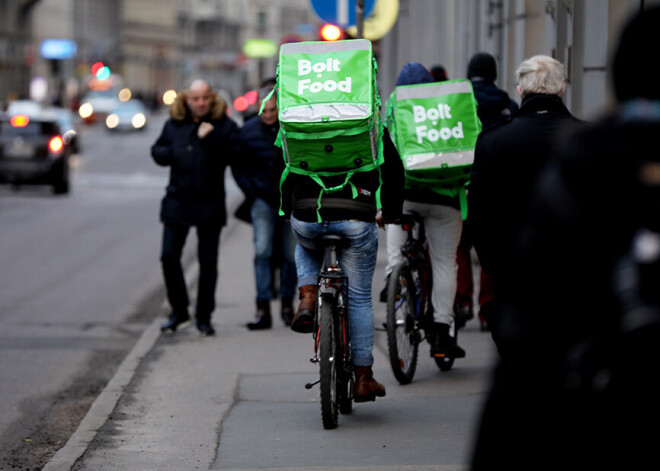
(96, 66)
(100, 70)
(330, 32)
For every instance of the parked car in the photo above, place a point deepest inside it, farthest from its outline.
(33, 151)
(127, 116)
(68, 125)
(97, 104)
(28, 107)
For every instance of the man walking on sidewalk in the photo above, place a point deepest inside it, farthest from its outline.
(196, 143)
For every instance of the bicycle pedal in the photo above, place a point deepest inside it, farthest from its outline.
(312, 384)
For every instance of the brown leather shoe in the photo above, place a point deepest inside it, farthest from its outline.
(303, 321)
(366, 387)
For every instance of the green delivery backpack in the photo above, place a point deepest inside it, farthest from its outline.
(329, 111)
(434, 127)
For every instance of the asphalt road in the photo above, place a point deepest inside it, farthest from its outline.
(79, 281)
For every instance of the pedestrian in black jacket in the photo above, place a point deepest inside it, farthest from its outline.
(258, 174)
(494, 107)
(507, 162)
(494, 104)
(196, 143)
(581, 389)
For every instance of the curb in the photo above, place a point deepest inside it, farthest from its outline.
(97, 415)
(100, 410)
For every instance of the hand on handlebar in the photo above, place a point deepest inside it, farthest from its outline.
(381, 221)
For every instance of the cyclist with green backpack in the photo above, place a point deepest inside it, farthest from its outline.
(340, 168)
(434, 127)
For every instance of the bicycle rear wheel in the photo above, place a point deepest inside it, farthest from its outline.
(328, 360)
(346, 381)
(402, 334)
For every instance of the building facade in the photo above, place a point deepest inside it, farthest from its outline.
(579, 33)
(17, 53)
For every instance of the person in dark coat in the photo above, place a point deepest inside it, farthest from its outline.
(494, 107)
(258, 175)
(507, 162)
(581, 388)
(196, 143)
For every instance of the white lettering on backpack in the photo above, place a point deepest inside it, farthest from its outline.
(306, 67)
(441, 112)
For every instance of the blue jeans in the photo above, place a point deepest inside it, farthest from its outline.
(269, 229)
(358, 261)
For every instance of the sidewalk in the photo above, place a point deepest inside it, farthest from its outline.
(237, 400)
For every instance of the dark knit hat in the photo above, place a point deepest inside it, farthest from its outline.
(439, 73)
(631, 68)
(482, 65)
(413, 73)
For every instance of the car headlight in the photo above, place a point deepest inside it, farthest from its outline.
(139, 120)
(85, 110)
(112, 121)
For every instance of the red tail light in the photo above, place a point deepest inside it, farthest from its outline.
(55, 144)
(19, 120)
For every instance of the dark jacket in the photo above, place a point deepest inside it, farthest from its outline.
(494, 104)
(508, 159)
(259, 166)
(574, 345)
(196, 190)
(300, 192)
(588, 208)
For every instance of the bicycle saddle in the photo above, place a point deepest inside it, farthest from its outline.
(326, 240)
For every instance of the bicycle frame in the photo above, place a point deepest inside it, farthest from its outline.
(333, 281)
(332, 348)
(415, 252)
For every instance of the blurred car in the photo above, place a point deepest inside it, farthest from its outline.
(127, 116)
(32, 150)
(68, 125)
(28, 107)
(97, 104)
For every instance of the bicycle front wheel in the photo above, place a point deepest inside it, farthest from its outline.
(402, 334)
(328, 360)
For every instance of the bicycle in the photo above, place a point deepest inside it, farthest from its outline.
(409, 309)
(332, 346)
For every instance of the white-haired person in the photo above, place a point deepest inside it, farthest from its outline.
(508, 159)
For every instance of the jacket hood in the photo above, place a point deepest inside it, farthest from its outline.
(414, 73)
(490, 97)
(179, 111)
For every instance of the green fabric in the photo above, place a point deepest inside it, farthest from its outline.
(329, 111)
(435, 129)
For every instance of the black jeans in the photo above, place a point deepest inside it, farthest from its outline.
(208, 243)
